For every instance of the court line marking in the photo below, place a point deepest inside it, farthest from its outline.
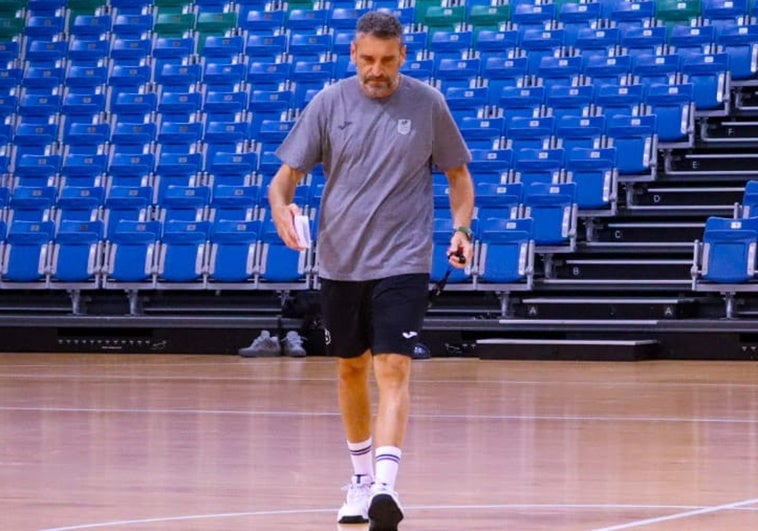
(678, 516)
(285, 512)
(466, 416)
(417, 380)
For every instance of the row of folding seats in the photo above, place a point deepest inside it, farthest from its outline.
(143, 254)
(163, 199)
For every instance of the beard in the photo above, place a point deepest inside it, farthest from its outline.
(379, 86)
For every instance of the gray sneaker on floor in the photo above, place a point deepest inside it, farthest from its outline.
(292, 345)
(263, 346)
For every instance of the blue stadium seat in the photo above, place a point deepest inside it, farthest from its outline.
(310, 76)
(560, 71)
(223, 76)
(345, 17)
(497, 200)
(443, 227)
(307, 19)
(628, 99)
(729, 249)
(562, 100)
(179, 77)
(268, 75)
(309, 46)
(553, 208)
(724, 10)
(83, 169)
(456, 72)
(636, 14)
(534, 133)
(644, 40)
(740, 43)
(86, 52)
(687, 39)
(179, 137)
(481, 133)
(635, 142)
(278, 264)
(505, 252)
(184, 250)
(27, 254)
(264, 22)
(131, 51)
(183, 203)
(650, 68)
(179, 106)
(223, 48)
(234, 202)
(130, 168)
(538, 165)
(132, 25)
(521, 101)
(45, 26)
(131, 255)
(595, 175)
(580, 131)
(45, 52)
(133, 106)
(502, 73)
(540, 43)
(673, 106)
(265, 48)
(233, 254)
(32, 203)
(466, 101)
(749, 203)
(415, 41)
(533, 17)
(92, 26)
(126, 203)
(708, 74)
(232, 168)
(79, 203)
(77, 256)
(422, 69)
(597, 41)
(496, 42)
(608, 69)
(576, 16)
(491, 165)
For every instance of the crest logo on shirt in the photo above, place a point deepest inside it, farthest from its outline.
(403, 126)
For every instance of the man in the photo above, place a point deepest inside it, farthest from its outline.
(378, 135)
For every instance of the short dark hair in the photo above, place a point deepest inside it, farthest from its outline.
(380, 24)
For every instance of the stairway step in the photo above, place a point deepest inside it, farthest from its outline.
(621, 308)
(567, 349)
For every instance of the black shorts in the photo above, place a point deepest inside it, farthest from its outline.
(384, 315)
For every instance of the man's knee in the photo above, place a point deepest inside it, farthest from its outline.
(354, 368)
(392, 367)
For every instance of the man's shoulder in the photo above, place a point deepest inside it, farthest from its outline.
(417, 88)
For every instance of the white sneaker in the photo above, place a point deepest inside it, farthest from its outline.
(355, 508)
(384, 511)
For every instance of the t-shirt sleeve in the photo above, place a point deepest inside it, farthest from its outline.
(449, 150)
(303, 147)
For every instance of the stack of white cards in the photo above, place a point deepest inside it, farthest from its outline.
(303, 229)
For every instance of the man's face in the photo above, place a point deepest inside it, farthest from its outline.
(377, 63)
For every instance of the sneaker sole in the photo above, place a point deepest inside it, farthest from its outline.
(384, 514)
(352, 520)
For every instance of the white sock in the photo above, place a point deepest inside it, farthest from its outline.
(360, 456)
(387, 464)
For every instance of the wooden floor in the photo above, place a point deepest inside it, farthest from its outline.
(174, 442)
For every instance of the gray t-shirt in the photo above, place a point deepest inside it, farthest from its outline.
(376, 212)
